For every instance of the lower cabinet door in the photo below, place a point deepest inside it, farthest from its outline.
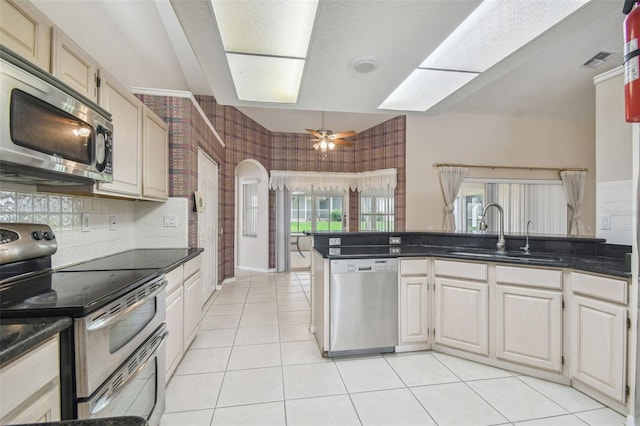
(529, 326)
(174, 321)
(599, 346)
(192, 308)
(461, 314)
(414, 311)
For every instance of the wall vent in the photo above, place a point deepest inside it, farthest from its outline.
(596, 60)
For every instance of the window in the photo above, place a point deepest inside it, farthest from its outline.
(543, 203)
(376, 212)
(316, 212)
(249, 209)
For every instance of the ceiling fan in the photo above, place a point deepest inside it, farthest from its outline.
(326, 139)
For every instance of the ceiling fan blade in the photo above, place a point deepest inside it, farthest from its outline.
(314, 133)
(342, 142)
(345, 134)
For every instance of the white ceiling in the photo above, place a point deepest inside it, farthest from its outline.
(176, 46)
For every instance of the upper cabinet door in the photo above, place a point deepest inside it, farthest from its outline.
(155, 165)
(126, 114)
(26, 31)
(73, 66)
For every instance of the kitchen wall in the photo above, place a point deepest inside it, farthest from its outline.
(138, 224)
(614, 189)
(492, 140)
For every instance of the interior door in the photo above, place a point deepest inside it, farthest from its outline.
(208, 222)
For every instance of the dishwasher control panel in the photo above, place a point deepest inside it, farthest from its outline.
(342, 266)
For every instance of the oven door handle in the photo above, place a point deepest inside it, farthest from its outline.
(104, 322)
(104, 401)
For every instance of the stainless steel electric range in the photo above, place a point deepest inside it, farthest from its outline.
(112, 359)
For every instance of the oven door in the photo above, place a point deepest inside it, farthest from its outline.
(137, 388)
(107, 337)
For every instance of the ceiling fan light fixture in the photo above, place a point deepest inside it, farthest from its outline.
(331, 145)
(316, 145)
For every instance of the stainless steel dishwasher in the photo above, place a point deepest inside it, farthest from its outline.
(363, 306)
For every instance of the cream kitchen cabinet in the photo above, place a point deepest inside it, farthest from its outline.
(155, 162)
(528, 316)
(183, 311)
(126, 114)
(174, 320)
(461, 306)
(26, 31)
(72, 65)
(599, 335)
(192, 300)
(414, 302)
(30, 386)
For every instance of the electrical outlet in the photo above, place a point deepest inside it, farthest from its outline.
(112, 223)
(394, 240)
(334, 241)
(605, 222)
(170, 220)
(85, 222)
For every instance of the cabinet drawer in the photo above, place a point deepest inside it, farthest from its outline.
(474, 271)
(24, 377)
(601, 287)
(414, 267)
(547, 278)
(191, 267)
(174, 278)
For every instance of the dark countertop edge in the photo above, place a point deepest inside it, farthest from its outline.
(38, 330)
(569, 263)
(456, 234)
(105, 421)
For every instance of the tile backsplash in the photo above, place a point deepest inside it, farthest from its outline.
(138, 224)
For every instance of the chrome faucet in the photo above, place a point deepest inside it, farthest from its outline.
(483, 224)
(526, 245)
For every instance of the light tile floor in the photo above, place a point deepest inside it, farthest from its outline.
(254, 362)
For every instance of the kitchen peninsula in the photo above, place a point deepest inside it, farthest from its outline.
(561, 311)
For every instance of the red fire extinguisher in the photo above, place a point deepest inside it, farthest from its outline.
(631, 61)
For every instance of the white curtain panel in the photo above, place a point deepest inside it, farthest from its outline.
(376, 180)
(573, 181)
(451, 178)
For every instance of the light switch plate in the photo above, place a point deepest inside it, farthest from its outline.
(112, 223)
(170, 220)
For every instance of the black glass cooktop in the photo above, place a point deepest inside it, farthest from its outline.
(134, 259)
(68, 293)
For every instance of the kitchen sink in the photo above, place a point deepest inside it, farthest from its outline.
(495, 255)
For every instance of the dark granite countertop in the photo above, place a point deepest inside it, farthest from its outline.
(588, 263)
(165, 259)
(107, 421)
(19, 335)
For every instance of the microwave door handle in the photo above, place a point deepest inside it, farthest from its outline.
(101, 323)
(106, 400)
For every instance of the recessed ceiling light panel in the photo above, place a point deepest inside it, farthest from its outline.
(496, 29)
(266, 79)
(425, 88)
(266, 27)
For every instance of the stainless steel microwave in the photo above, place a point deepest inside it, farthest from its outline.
(48, 132)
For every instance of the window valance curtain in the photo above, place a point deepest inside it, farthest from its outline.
(373, 181)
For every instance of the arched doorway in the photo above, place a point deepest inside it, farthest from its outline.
(252, 216)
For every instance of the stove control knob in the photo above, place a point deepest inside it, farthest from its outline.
(49, 235)
(37, 235)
